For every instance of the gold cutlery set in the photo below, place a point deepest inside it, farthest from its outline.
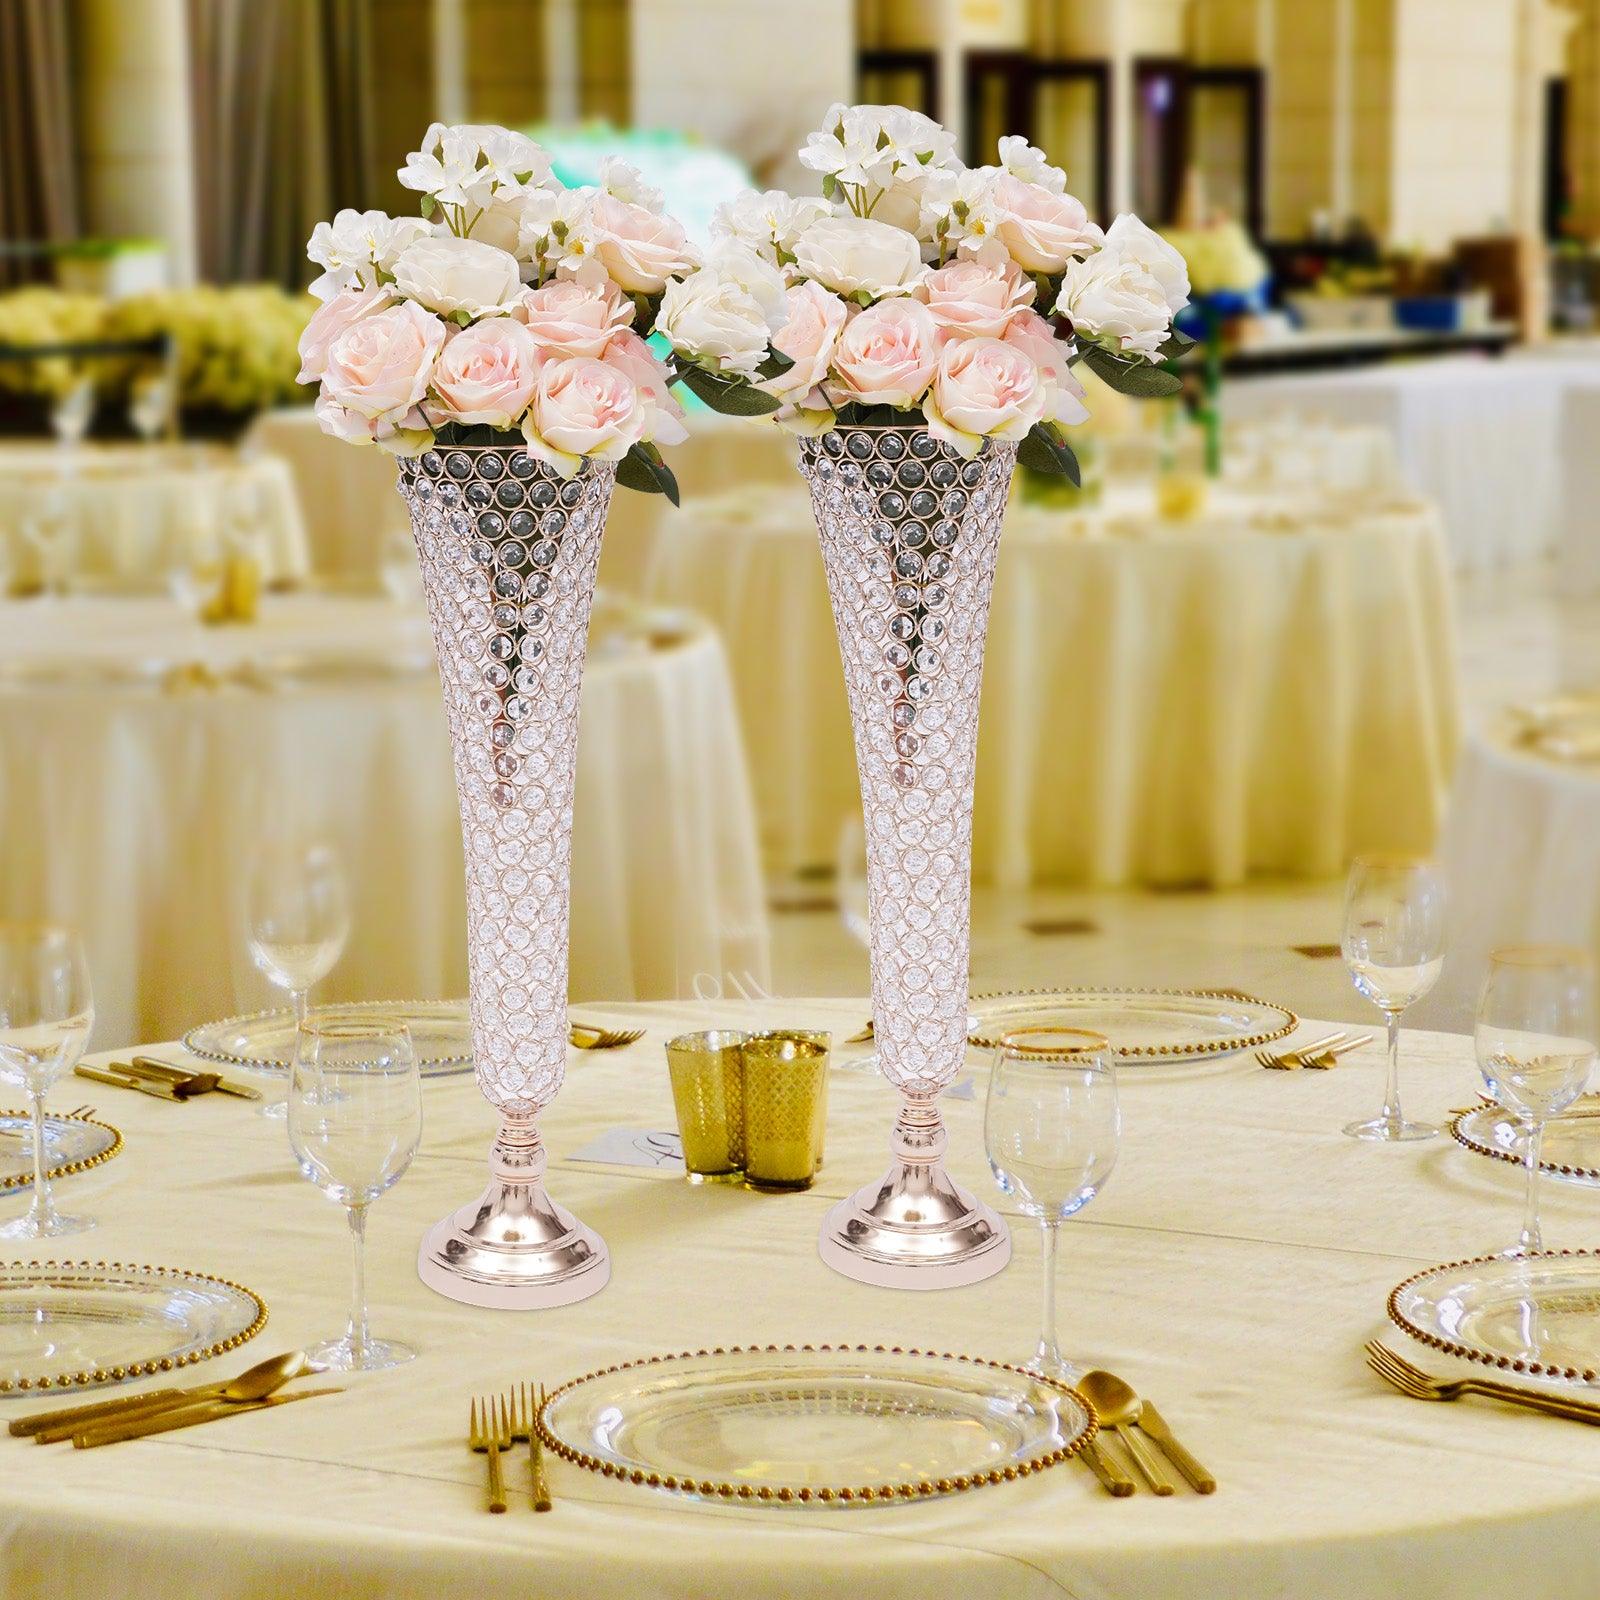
(138, 1416)
(587, 1036)
(1135, 1423)
(495, 1424)
(163, 1081)
(1319, 1054)
(1413, 1382)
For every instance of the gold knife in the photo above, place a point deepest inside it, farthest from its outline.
(149, 1067)
(185, 1417)
(1112, 1478)
(39, 1421)
(1153, 1423)
(157, 1091)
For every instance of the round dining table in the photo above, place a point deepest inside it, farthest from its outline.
(103, 514)
(1235, 1262)
(1264, 687)
(144, 756)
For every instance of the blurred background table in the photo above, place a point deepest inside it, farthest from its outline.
(1478, 437)
(1264, 688)
(147, 755)
(144, 511)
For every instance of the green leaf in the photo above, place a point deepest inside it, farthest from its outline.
(643, 469)
(775, 363)
(428, 204)
(1044, 450)
(729, 396)
(830, 186)
(1136, 378)
(1176, 344)
(461, 318)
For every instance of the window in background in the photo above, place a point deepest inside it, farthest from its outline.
(1226, 140)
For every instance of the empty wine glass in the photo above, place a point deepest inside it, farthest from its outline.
(1052, 1127)
(355, 1118)
(299, 919)
(46, 1015)
(150, 405)
(72, 412)
(1535, 1034)
(1394, 914)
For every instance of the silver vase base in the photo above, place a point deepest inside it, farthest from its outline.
(916, 1229)
(513, 1250)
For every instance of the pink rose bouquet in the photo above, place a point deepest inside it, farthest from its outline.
(512, 304)
(919, 290)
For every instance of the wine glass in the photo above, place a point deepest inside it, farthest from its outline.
(1535, 1034)
(355, 1118)
(1394, 913)
(46, 1015)
(299, 919)
(150, 405)
(1051, 1127)
(72, 413)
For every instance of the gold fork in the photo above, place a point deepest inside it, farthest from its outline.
(523, 1431)
(585, 1036)
(1317, 1053)
(1411, 1380)
(487, 1436)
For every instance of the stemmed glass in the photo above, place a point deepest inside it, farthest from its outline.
(355, 1118)
(150, 405)
(46, 1016)
(1394, 917)
(1052, 1127)
(1535, 1035)
(299, 919)
(72, 413)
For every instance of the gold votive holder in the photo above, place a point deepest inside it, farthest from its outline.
(785, 1108)
(707, 1072)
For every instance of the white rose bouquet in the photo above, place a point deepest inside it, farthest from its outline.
(918, 289)
(511, 303)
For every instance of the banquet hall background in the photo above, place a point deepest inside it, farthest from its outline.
(1339, 597)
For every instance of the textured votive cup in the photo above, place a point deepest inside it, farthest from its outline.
(707, 1072)
(785, 1108)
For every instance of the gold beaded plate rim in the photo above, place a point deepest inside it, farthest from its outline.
(429, 1066)
(93, 1377)
(67, 1169)
(1472, 1142)
(1184, 1050)
(833, 1495)
(1474, 1353)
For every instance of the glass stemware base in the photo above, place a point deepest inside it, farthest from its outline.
(53, 1226)
(1047, 1361)
(1391, 1130)
(372, 1355)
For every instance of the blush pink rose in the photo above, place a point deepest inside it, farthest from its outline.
(886, 355)
(1031, 334)
(381, 364)
(978, 294)
(407, 435)
(808, 338)
(331, 318)
(1041, 230)
(581, 408)
(984, 389)
(486, 373)
(639, 249)
(664, 420)
(575, 318)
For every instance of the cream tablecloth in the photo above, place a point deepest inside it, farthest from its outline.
(1264, 690)
(143, 511)
(1479, 438)
(1237, 1259)
(1522, 851)
(129, 808)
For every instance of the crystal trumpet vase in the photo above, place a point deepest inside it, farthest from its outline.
(509, 552)
(910, 531)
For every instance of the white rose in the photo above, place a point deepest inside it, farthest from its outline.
(1129, 238)
(447, 274)
(356, 246)
(1116, 302)
(866, 145)
(714, 319)
(473, 163)
(626, 183)
(768, 223)
(851, 254)
(1026, 161)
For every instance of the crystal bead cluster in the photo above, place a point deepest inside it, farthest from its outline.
(509, 552)
(910, 531)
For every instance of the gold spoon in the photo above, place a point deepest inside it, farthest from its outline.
(1118, 1407)
(256, 1383)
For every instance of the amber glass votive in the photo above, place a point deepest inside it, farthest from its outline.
(785, 1108)
(707, 1072)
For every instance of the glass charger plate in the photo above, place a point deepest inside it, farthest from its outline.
(1536, 1314)
(73, 1324)
(1570, 1148)
(824, 1425)
(71, 1144)
(1142, 1024)
(264, 1040)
